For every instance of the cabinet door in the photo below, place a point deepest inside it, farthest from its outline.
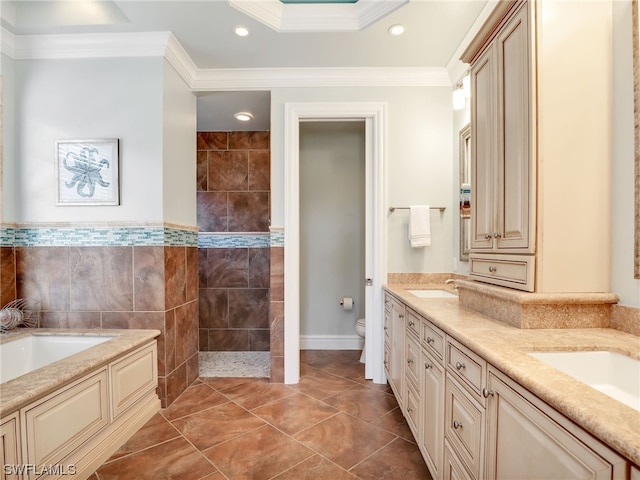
(482, 145)
(523, 441)
(396, 362)
(433, 414)
(10, 453)
(513, 155)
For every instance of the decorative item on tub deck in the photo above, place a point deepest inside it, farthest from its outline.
(16, 313)
(87, 172)
(419, 226)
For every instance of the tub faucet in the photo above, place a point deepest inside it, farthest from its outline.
(451, 280)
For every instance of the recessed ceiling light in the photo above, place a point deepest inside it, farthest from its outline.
(243, 116)
(241, 31)
(396, 29)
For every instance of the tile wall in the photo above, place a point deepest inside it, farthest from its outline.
(233, 201)
(142, 277)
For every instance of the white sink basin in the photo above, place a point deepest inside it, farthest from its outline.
(613, 374)
(432, 293)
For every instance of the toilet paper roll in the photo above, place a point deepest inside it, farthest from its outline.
(347, 303)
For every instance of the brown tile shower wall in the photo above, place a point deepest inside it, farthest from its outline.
(121, 287)
(7, 275)
(233, 196)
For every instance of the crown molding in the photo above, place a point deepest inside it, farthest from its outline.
(456, 67)
(91, 45)
(265, 78)
(165, 44)
(325, 17)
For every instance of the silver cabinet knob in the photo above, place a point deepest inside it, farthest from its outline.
(427, 366)
(487, 236)
(457, 424)
(486, 393)
(493, 269)
(411, 323)
(410, 361)
(496, 235)
(459, 366)
(430, 339)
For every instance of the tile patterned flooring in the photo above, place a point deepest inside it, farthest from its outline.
(332, 425)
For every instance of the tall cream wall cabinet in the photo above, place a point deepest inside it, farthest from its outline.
(541, 146)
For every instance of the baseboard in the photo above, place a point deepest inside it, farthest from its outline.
(331, 342)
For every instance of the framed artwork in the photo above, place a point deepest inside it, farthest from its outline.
(87, 172)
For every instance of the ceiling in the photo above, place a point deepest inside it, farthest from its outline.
(204, 28)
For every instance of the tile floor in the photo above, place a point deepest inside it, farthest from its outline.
(332, 425)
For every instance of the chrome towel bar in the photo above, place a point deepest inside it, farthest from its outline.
(393, 209)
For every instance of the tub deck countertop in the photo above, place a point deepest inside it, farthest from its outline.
(22, 390)
(505, 347)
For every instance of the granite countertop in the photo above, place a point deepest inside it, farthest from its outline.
(505, 347)
(20, 391)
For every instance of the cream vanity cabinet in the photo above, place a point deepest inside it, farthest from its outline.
(472, 422)
(525, 435)
(538, 196)
(432, 397)
(394, 345)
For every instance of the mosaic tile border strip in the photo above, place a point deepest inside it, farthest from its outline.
(133, 236)
(277, 238)
(97, 236)
(239, 240)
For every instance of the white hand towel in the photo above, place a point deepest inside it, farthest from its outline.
(419, 226)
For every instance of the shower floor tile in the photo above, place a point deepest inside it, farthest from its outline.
(234, 364)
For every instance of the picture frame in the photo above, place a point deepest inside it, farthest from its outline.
(87, 172)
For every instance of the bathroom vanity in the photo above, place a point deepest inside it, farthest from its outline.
(480, 406)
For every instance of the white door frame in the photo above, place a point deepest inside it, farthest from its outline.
(374, 116)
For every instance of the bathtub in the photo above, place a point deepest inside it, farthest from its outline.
(32, 352)
(71, 398)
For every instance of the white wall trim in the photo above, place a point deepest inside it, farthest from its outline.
(93, 45)
(265, 78)
(158, 44)
(331, 342)
(374, 115)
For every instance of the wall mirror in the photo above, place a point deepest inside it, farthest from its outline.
(636, 93)
(465, 192)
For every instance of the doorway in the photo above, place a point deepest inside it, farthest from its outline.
(374, 117)
(332, 234)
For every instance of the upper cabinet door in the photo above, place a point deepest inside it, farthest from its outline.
(514, 160)
(483, 121)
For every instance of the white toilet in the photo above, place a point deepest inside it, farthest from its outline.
(360, 331)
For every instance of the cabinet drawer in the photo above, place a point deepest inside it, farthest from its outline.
(133, 377)
(412, 358)
(464, 426)
(516, 271)
(452, 468)
(412, 410)
(414, 322)
(433, 339)
(58, 424)
(467, 367)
